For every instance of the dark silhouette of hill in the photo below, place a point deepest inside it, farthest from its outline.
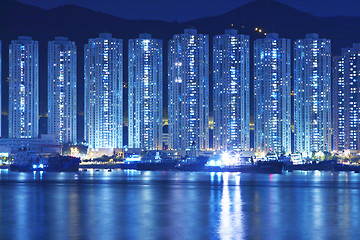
(80, 24)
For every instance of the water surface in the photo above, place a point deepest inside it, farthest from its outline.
(128, 204)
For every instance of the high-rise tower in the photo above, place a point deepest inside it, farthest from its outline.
(346, 99)
(62, 90)
(312, 102)
(104, 92)
(23, 88)
(272, 73)
(145, 93)
(189, 91)
(231, 91)
(0, 88)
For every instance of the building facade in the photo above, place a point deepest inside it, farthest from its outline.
(188, 72)
(272, 74)
(346, 100)
(312, 95)
(0, 86)
(45, 143)
(145, 93)
(23, 88)
(62, 109)
(231, 66)
(104, 92)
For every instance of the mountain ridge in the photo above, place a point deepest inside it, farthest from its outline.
(79, 24)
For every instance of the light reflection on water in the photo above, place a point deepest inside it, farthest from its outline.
(178, 205)
(231, 214)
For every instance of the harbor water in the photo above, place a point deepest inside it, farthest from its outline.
(129, 204)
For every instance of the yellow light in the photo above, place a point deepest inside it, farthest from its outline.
(256, 29)
(74, 151)
(260, 30)
(319, 154)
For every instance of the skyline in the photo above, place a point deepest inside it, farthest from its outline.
(82, 25)
(190, 119)
(179, 10)
(257, 34)
(188, 83)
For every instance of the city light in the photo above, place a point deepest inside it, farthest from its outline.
(231, 91)
(188, 84)
(242, 134)
(104, 96)
(145, 92)
(272, 119)
(188, 70)
(62, 105)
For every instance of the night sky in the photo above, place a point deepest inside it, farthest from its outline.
(183, 10)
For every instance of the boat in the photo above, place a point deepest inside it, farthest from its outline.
(154, 162)
(131, 162)
(157, 166)
(29, 162)
(273, 166)
(233, 161)
(328, 165)
(192, 164)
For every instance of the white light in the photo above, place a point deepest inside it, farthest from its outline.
(225, 156)
(214, 163)
(133, 158)
(230, 159)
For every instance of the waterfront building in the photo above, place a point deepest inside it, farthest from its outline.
(104, 92)
(0, 86)
(45, 143)
(346, 100)
(231, 66)
(62, 90)
(272, 73)
(145, 93)
(312, 102)
(188, 108)
(23, 88)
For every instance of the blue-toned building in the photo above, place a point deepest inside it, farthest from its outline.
(0, 86)
(104, 92)
(272, 74)
(24, 88)
(312, 95)
(188, 66)
(145, 93)
(62, 109)
(231, 66)
(346, 99)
